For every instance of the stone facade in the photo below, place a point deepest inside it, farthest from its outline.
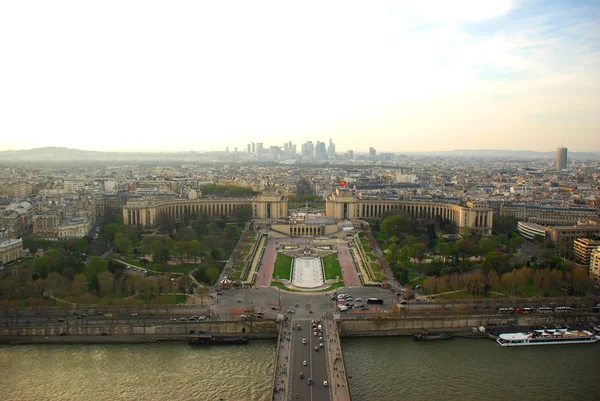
(342, 204)
(10, 249)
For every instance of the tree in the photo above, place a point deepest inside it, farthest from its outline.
(398, 225)
(180, 250)
(53, 282)
(417, 251)
(42, 266)
(31, 244)
(106, 282)
(496, 261)
(81, 246)
(504, 225)
(124, 244)
(466, 248)
(95, 265)
(476, 282)
(489, 244)
(186, 234)
(78, 285)
(110, 231)
(195, 249)
(243, 214)
(515, 243)
(184, 285)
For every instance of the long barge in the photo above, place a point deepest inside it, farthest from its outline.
(217, 340)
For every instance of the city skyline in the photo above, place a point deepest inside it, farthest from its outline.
(142, 77)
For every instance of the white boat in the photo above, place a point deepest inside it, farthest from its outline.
(547, 337)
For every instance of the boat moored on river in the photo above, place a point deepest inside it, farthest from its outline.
(432, 336)
(216, 340)
(547, 337)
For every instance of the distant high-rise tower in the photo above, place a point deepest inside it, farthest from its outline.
(561, 158)
(372, 153)
(253, 148)
(331, 149)
(249, 148)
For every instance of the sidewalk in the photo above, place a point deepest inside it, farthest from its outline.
(281, 384)
(337, 371)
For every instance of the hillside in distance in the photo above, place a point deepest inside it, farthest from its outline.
(61, 154)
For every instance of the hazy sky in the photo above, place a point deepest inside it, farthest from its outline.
(203, 75)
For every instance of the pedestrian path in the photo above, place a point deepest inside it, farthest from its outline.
(281, 381)
(337, 371)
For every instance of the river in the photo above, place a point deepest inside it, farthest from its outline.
(382, 369)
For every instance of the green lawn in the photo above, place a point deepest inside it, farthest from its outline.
(283, 267)
(184, 268)
(132, 261)
(365, 244)
(177, 298)
(332, 267)
(376, 269)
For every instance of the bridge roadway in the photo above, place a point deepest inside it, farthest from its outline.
(317, 364)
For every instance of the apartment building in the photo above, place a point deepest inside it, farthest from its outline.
(582, 249)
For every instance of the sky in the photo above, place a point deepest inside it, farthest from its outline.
(400, 76)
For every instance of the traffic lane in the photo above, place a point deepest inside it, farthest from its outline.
(319, 371)
(300, 353)
(316, 369)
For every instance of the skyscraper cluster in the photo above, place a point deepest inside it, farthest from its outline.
(309, 151)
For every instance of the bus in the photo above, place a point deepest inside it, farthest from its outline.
(375, 301)
(563, 309)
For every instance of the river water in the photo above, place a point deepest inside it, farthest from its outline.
(382, 369)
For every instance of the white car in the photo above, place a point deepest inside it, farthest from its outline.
(314, 333)
(358, 299)
(304, 341)
(304, 363)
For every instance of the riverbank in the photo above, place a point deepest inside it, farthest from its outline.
(113, 339)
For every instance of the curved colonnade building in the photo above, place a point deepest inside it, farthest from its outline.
(341, 205)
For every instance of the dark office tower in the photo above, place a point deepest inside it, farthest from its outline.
(561, 158)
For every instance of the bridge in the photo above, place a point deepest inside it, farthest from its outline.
(306, 369)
